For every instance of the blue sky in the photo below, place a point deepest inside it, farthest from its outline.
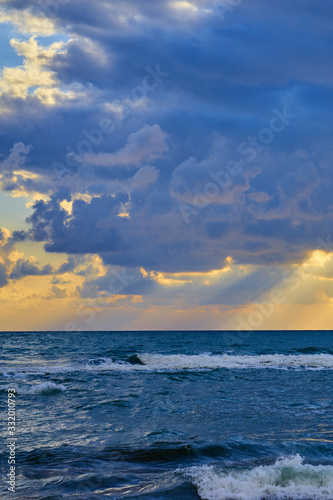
(166, 164)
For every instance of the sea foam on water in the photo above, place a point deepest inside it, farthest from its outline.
(289, 478)
(174, 362)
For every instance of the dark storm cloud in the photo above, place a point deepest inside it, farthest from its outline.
(26, 268)
(91, 224)
(225, 78)
(20, 235)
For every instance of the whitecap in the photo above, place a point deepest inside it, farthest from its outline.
(288, 479)
(44, 388)
(176, 362)
(208, 361)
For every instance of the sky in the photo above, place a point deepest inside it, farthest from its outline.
(166, 165)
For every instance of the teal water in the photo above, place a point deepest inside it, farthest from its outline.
(170, 415)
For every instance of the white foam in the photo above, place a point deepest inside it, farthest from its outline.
(289, 478)
(208, 361)
(174, 362)
(44, 388)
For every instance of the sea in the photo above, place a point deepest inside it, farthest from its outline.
(168, 415)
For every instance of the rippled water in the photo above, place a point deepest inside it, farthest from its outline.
(171, 415)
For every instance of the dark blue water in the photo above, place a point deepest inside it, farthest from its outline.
(170, 415)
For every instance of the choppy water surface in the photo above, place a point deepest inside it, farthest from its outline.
(171, 415)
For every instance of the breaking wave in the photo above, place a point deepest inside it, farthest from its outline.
(207, 361)
(44, 388)
(176, 362)
(288, 479)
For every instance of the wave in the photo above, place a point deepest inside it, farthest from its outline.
(177, 362)
(208, 361)
(288, 479)
(44, 388)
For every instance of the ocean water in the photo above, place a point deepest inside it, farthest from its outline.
(170, 415)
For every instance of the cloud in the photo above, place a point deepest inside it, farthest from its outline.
(24, 267)
(18, 178)
(143, 177)
(119, 281)
(36, 79)
(171, 187)
(57, 292)
(91, 224)
(27, 22)
(17, 81)
(13, 177)
(13, 264)
(145, 145)
(281, 227)
(68, 266)
(216, 180)
(3, 276)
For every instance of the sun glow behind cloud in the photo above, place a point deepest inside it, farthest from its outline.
(183, 5)
(101, 241)
(57, 298)
(26, 22)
